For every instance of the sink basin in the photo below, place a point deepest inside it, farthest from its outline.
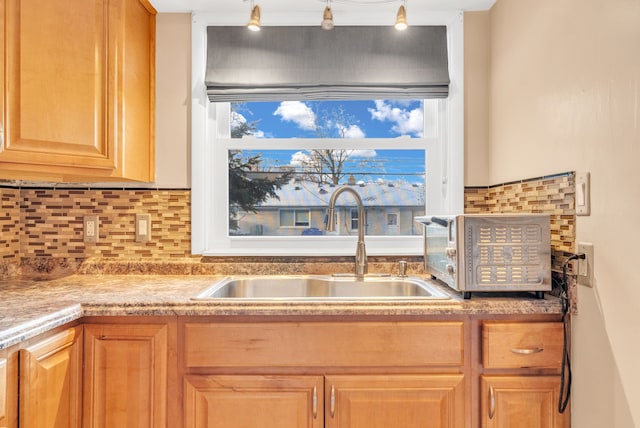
(309, 287)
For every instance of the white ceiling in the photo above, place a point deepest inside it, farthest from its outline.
(271, 8)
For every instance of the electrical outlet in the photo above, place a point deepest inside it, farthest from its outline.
(143, 227)
(585, 266)
(90, 228)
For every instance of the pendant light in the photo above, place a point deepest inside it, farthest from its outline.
(401, 19)
(327, 18)
(254, 21)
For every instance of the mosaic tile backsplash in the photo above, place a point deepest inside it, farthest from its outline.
(554, 195)
(42, 228)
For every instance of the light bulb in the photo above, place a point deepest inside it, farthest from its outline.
(327, 19)
(401, 19)
(254, 21)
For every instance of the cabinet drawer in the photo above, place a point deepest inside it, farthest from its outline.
(316, 344)
(522, 345)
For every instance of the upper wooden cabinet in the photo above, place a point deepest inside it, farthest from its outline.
(78, 90)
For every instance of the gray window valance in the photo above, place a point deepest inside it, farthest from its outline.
(298, 63)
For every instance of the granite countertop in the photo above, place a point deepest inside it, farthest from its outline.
(30, 307)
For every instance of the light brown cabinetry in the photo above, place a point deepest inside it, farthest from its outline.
(51, 381)
(376, 374)
(3, 389)
(521, 401)
(125, 381)
(520, 383)
(248, 401)
(381, 401)
(77, 90)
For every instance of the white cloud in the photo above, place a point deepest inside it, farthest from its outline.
(300, 159)
(405, 122)
(368, 153)
(298, 113)
(353, 131)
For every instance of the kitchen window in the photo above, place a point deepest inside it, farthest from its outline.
(438, 147)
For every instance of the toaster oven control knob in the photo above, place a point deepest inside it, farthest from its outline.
(451, 252)
(451, 270)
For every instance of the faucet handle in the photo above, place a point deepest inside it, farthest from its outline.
(402, 268)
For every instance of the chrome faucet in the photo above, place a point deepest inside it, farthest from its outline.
(361, 252)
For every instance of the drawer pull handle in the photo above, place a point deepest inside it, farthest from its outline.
(314, 402)
(333, 401)
(492, 402)
(527, 351)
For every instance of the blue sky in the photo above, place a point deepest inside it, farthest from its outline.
(342, 119)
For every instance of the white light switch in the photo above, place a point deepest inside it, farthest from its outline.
(143, 227)
(583, 191)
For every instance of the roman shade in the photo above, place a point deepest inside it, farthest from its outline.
(305, 63)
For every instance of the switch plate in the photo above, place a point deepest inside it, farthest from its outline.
(583, 193)
(585, 267)
(90, 231)
(143, 227)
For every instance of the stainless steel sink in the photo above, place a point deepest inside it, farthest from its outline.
(312, 287)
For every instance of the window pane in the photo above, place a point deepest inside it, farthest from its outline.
(292, 188)
(330, 119)
(302, 218)
(286, 218)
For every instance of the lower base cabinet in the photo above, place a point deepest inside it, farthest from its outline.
(251, 401)
(3, 391)
(522, 401)
(336, 401)
(50, 381)
(125, 378)
(382, 401)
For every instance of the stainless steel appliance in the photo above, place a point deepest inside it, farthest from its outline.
(489, 252)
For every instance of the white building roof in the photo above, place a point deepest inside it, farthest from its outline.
(373, 194)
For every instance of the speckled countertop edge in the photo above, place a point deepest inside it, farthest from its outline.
(31, 307)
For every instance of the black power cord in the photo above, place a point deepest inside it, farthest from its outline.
(565, 371)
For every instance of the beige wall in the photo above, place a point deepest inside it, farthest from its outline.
(173, 100)
(564, 95)
(476, 96)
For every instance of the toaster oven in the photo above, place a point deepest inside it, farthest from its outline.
(489, 252)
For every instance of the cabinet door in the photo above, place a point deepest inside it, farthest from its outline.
(50, 381)
(382, 401)
(522, 401)
(77, 90)
(57, 88)
(253, 401)
(125, 376)
(3, 392)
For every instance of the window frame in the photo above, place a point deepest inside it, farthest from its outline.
(445, 163)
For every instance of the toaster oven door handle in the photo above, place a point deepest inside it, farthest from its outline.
(441, 221)
(527, 351)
